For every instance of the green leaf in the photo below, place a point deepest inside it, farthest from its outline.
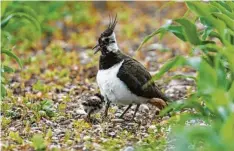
(3, 91)
(206, 33)
(47, 106)
(223, 9)
(147, 38)
(38, 142)
(6, 20)
(227, 130)
(206, 81)
(203, 137)
(228, 21)
(217, 24)
(178, 61)
(11, 54)
(7, 69)
(230, 4)
(172, 107)
(175, 62)
(21, 9)
(4, 6)
(16, 137)
(221, 72)
(225, 5)
(201, 8)
(231, 92)
(190, 31)
(176, 30)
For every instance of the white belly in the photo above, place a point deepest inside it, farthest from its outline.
(113, 89)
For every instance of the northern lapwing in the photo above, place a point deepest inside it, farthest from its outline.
(122, 79)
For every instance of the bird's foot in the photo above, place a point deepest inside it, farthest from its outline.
(92, 120)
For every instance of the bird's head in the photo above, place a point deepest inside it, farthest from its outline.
(107, 42)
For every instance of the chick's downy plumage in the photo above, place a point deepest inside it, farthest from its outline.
(93, 104)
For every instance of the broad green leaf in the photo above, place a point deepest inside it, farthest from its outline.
(228, 21)
(206, 80)
(217, 24)
(194, 62)
(224, 10)
(190, 31)
(230, 4)
(227, 130)
(11, 54)
(203, 136)
(201, 8)
(225, 5)
(221, 73)
(177, 31)
(228, 52)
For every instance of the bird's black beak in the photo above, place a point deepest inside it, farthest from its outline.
(96, 48)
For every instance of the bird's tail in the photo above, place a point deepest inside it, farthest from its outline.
(159, 103)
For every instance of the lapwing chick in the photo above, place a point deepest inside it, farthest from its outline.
(122, 79)
(93, 104)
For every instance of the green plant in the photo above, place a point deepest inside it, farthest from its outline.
(15, 19)
(16, 15)
(38, 142)
(7, 69)
(214, 98)
(16, 137)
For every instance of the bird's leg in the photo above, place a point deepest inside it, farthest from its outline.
(106, 108)
(137, 107)
(88, 115)
(121, 116)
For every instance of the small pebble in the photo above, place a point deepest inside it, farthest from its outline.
(144, 108)
(119, 120)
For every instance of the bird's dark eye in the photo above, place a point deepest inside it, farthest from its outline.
(106, 40)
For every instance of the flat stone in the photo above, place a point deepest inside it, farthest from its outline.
(119, 120)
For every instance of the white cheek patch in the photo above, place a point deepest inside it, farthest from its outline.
(112, 36)
(113, 47)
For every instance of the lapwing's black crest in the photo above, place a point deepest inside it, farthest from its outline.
(106, 37)
(110, 28)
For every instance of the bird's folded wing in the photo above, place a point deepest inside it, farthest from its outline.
(135, 76)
